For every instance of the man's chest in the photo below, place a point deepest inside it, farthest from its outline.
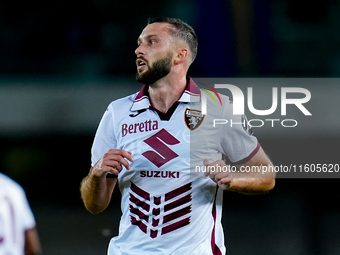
(155, 143)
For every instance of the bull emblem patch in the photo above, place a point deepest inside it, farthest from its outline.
(193, 118)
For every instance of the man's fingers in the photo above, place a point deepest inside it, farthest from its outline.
(116, 161)
(223, 175)
(127, 155)
(113, 171)
(226, 180)
(117, 158)
(210, 167)
(123, 153)
(217, 171)
(112, 162)
(224, 185)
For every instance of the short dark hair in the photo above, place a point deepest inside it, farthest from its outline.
(182, 30)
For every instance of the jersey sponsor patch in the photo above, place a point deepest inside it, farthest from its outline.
(159, 215)
(193, 118)
(162, 153)
(139, 127)
(159, 174)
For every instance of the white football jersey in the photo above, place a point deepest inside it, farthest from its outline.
(168, 207)
(15, 217)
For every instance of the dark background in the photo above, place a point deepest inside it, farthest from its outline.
(89, 46)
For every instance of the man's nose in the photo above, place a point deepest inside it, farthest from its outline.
(140, 50)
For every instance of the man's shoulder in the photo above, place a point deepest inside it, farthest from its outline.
(123, 102)
(9, 185)
(217, 99)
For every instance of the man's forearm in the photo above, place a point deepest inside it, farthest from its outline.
(252, 182)
(96, 193)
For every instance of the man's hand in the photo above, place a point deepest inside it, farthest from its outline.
(112, 162)
(96, 190)
(223, 178)
(245, 182)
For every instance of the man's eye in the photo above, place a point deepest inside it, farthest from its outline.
(152, 42)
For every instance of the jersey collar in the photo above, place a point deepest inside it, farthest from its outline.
(191, 94)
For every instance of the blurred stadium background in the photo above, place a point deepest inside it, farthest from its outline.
(62, 62)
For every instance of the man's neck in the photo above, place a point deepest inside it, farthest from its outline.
(166, 91)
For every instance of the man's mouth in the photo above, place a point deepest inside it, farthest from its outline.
(140, 63)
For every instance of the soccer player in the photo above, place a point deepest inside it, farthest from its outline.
(149, 142)
(18, 234)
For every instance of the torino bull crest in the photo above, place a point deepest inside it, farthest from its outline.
(193, 118)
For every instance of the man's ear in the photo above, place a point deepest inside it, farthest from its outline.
(181, 55)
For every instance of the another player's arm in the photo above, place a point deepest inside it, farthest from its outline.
(96, 190)
(252, 182)
(32, 243)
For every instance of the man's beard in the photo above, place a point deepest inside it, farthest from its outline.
(158, 70)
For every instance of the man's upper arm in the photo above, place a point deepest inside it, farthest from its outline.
(105, 136)
(259, 159)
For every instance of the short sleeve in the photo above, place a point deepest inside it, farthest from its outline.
(237, 141)
(105, 136)
(27, 214)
